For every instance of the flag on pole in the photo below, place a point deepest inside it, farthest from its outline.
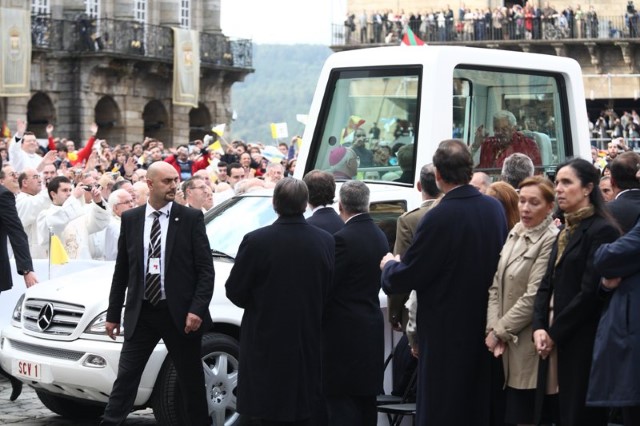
(410, 39)
(57, 253)
(6, 133)
(219, 129)
(216, 146)
(279, 130)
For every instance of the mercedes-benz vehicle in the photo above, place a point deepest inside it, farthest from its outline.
(56, 341)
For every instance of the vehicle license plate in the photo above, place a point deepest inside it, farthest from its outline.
(30, 370)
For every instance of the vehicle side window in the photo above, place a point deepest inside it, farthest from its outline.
(385, 215)
(498, 112)
(368, 128)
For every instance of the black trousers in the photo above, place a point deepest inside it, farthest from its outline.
(155, 323)
(352, 410)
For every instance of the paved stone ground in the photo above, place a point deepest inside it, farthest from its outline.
(27, 410)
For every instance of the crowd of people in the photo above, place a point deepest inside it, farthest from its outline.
(553, 314)
(80, 195)
(513, 22)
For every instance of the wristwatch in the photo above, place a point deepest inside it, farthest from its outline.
(26, 271)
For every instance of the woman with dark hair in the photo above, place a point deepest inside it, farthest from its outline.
(567, 307)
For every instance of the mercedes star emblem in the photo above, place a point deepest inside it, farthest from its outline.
(45, 317)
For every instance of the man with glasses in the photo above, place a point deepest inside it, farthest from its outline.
(195, 193)
(30, 202)
(23, 152)
(9, 178)
(119, 202)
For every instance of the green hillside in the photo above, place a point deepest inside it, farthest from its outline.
(282, 86)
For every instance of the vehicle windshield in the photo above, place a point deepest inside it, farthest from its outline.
(368, 129)
(228, 223)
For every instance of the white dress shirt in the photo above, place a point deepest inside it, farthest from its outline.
(164, 227)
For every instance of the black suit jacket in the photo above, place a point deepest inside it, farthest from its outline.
(626, 209)
(573, 282)
(11, 228)
(188, 268)
(327, 219)
(353, 326)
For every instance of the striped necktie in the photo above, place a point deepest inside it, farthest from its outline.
(152, 289)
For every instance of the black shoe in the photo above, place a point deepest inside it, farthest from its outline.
(16, 388)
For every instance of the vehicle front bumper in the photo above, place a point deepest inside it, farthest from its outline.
(65, 368)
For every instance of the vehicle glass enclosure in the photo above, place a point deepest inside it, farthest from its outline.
(537, 102)
(228, 223)
(368, 126)
(369, 123)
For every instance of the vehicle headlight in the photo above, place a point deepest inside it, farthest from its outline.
(98, 325)
(17, 311)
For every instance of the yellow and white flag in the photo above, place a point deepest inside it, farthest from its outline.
(57, 253)
(219, 129)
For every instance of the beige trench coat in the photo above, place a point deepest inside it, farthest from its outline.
(523, 262)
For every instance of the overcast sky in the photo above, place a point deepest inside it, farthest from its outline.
(281, 21)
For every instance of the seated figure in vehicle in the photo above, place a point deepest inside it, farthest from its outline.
(505, 141)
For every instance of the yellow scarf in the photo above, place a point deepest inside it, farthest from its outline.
(572, 221)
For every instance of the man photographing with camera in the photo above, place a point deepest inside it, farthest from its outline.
(69, 219)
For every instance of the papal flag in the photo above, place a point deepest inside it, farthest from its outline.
(15, 52)
(219, 129)
(186, 67)
(57, 253)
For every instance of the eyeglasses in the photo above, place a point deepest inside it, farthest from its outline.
(12, 174)
(361, 135)
(125, 202)
(35, 177)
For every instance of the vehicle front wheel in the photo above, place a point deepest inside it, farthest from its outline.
(70, 409)
(220, 363)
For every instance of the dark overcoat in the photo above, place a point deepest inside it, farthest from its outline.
(451, 264)
(626, 209)
(353, 326)
(574, 283)
(11, 229)
(615, 371)
(326, 218)
(280, 277)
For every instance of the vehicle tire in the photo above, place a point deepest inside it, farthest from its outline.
(72, 409)
(220, 363)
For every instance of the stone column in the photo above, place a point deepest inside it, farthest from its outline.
(170, 12)
(211, 16)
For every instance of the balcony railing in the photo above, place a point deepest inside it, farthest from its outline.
(131, 38)
(482, 30)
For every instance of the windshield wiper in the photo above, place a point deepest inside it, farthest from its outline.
(218, 253)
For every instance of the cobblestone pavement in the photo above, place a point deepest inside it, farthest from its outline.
(27, 410)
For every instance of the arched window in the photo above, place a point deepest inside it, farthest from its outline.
(156, 122)
(199, 122)
(107, 117)
(40, 112)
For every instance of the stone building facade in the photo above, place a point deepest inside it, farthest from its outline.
(111, 62)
